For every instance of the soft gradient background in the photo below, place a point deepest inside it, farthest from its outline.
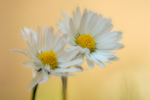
(126, 79)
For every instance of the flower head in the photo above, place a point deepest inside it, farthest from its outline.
(91, 34)
(48, 55)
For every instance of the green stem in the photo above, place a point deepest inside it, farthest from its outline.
(64, 89)
(34, 92)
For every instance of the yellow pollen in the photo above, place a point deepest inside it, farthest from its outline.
(49, 58)
(86, 41)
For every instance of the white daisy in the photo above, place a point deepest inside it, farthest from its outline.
(47, 55)
(91, 34)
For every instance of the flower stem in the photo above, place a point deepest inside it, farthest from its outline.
(64, 89)
(34, 92)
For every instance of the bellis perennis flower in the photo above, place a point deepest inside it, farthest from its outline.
(47, 54)
(91, 34)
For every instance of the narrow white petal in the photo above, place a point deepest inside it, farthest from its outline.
(27, 30)
(78, 66)
(114, 58)
(36, 59)
(46, 77)
(89, 16)
(89, 62)
(38, 39)
(110, 47)
(28, 42)
(72, 28)
(64, 24)
(102, 25)
(83, 23)
(97, 62)
(71, 63)
(69, 55)
(47, 67)
(66, 17)
(107, 29)
(106, 54)
(44, 36)
(34, 72)
(25, 52)
(68, 70)
(61, 74)
(49, 38)
(94, 19)
(78, 17)
(100, 57)
(36, 79)
(108, 36)
(60, 45)
(31, 64)
(34, 43)
(98, 27)
(57, 40)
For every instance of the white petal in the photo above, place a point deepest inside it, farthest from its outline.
(83, 23)
(106, 54)
(89, 17)
(66, 17)
(36, 79)
(56, 39)
(61, 74)
(100, 57)
(69, 55)
(47, 67)
(114, 58)
(36, 59)
(83, 50)
(97, 62)
(31, 64)
(66, 38)
(72, 41)
(72, 28)
(60, 45)
(34, 72)
(99, 27)
(25, 52)
(38, 39)
(78, 66)
(89, 62)
(110, 47)
(108, 36)
(44, 36)
(78, 18)
(49, 39)
(46, 77)
(94, 19)
(27, 30)
(106, 29)
(71, 63)
(64, 24)
(31, 40)
(68, 70)
(28, 42)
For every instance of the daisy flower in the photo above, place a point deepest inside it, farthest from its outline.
(47, 55)
(91, 34)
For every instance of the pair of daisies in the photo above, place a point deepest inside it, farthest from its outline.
(88, 35)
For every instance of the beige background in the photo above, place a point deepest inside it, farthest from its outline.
(126, 79)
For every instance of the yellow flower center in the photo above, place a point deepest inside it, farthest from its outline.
(49, 58)
(86, 41)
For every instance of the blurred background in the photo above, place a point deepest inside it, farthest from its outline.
(126, 79)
